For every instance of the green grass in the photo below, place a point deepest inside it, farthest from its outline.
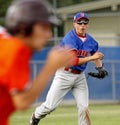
(67, 115)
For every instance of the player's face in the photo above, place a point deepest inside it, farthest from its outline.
(81, 26)
(40, 35)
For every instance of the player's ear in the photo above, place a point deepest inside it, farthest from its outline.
(74, 25)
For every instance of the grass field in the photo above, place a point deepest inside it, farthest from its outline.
(67, 115)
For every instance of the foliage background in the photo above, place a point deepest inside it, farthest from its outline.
(59, 3)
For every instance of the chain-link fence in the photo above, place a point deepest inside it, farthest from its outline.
(103, 89)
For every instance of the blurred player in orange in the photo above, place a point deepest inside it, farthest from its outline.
(28, 23)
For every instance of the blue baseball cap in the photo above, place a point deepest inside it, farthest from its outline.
(80, 15)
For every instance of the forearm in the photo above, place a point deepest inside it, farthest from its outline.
(56, 59)
(85, 60)
(80, 61)
(24, 99)
(98, 63)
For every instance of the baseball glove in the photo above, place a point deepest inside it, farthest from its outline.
(102, 73)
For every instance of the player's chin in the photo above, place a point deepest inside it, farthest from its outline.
(39, 47)
(39, 44)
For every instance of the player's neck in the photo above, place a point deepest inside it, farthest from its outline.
(83, 35)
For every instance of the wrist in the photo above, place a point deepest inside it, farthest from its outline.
(100, 67)
(90, 58)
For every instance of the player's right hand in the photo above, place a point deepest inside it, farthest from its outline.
(60, 57)
(98, 55)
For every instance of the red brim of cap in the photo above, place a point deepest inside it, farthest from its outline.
(82, 18)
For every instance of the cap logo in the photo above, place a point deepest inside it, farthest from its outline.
(82, 14)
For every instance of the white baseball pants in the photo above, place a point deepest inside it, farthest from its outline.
(63, 82)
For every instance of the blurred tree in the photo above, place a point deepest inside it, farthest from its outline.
(61, 3)
(3, 7)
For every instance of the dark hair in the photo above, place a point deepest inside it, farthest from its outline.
(21, 28)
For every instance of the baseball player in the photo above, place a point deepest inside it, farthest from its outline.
(28, 23)
(73, 78)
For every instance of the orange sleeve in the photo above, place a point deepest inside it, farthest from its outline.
(14, 65)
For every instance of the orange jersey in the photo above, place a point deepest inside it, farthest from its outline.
(14, 73)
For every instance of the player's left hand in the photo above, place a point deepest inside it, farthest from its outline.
(102, 73)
